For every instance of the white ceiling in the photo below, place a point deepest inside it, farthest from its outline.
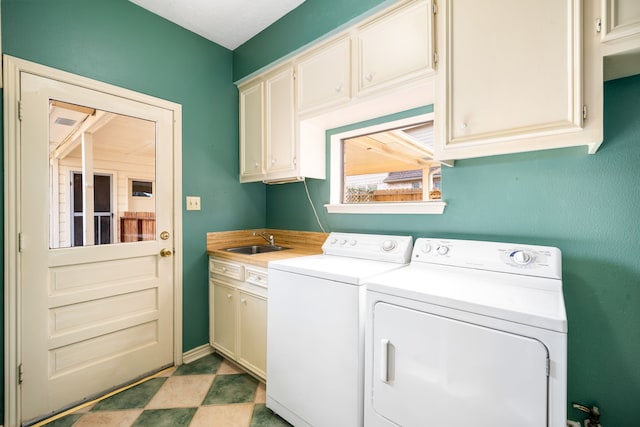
(228, 23)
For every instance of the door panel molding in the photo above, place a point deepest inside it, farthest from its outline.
(12, 68)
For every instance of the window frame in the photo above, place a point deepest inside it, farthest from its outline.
(335, 204)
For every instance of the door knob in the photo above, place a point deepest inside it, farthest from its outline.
(164, 252)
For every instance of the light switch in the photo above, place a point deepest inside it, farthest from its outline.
(193, 203)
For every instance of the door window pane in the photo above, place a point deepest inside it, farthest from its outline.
(117, 151)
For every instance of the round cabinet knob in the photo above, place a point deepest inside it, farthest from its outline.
(228, 296)
(368, 77)
(339, 88)
(273, 161)
(463, 125)
(443, 250)
(426, 248)
(521, 257)
(389, 245)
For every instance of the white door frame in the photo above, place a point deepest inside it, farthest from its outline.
(12, 280)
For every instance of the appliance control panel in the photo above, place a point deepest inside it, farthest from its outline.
(369, 246)
(529, 260)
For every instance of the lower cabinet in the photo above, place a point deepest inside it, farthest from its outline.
(252, 332)
(238, 313)
(223, 317)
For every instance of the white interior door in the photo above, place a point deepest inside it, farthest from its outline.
(93, 316)
(429, 369)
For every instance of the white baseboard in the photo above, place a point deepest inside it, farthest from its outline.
(195, 353)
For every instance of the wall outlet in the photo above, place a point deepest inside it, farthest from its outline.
(571, 423)
(193, 203)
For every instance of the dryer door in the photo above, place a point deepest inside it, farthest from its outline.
(433, 370)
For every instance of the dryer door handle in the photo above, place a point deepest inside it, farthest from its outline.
(384, 360)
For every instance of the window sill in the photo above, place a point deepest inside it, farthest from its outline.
(434, 208)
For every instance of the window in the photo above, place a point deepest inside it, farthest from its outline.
(386, 168)
(141, 189)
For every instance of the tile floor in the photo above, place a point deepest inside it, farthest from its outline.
(207, 392)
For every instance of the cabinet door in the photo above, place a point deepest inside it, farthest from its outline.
(324, 77)
(621, 19)
(252, 332)
(223, 318)
(280, 115)
(396, 46)
(510, 77)
(251, 133)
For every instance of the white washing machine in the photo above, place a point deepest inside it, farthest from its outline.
(469, 334)
(315, 328)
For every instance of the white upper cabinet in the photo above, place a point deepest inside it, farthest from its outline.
(272, 148)
(621, 18)
(324, 76)
(267, 123)
(251, 132)
(620, 30)
(510, 78)
(395, 47)
(280, 124)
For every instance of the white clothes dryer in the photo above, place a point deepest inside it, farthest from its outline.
(470, 333)
(315, 328)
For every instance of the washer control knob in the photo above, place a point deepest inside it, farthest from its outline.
(343, 241)
(426, 248)
(353, 242)
(389, 245)
(334, 241)
(443, 250)
(521, 257)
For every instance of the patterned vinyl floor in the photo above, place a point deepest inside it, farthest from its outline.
(207, 392)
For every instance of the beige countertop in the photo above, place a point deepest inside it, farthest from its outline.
(302, 243)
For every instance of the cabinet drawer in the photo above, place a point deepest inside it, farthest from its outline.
(256, 276)
(227, 269)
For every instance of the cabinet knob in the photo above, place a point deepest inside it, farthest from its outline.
(244, 301)
(368, 77)
(228, 296)
(273, 161)
(256, 165)
(339, 87)
(463, 125)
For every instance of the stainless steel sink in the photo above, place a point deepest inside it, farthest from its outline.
(255, 249)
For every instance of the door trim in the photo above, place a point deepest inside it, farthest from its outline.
(12, 67)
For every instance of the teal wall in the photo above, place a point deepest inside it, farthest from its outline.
(117, 42)
(587, 205)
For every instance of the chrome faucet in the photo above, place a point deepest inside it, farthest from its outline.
(264, 235)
